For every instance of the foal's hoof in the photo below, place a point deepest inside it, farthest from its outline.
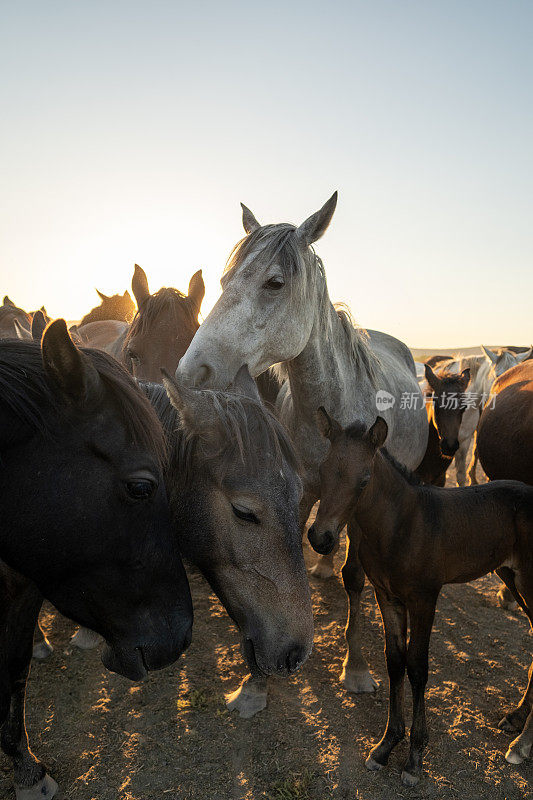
(373, 766)
(84, 639)
(42, 649)
(249, 699)
(322, 570)
(506, 600)
(408, 779)
(358, 682)
(518, 752)
(44, 789)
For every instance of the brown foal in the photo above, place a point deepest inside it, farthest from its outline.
(415, 539)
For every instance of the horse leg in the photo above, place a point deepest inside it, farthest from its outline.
(472, 479)
(421, 616)
(251, 697)
(41, 646)
(32, 782)
(460, 462)
(85, 639)
(355, 675)
(394, 616)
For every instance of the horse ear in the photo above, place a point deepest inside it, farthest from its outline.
(9, 302)
(38, 324)
(328, 427)
(101, 295)
(139, 285)
(316, 225)
(191, 404)
(249, 222)
(21, 331)
(432, 379)
(464, 377)
(377, 434)
(524, 356)
(491, 355)
(70, 370)
(196, 289)
(245, 384)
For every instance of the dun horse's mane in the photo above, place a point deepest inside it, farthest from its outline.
(166, 299)
(277, 244)
(25, 390)
(247, 430)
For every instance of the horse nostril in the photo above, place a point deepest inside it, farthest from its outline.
(321, 543)
(203, 375)
(295, 657)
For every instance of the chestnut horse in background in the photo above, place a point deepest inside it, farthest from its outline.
(118, 306)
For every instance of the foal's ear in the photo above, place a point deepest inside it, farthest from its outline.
(21, 332)
(196, 290)
(328, 427)
(139, 285)
(316, 225)
(249, 222)
(38, 324)
(101, 295)
(70, 370)
(491, 355)
(464, 377)
(245, 384)
(432, 379)
(377, 434)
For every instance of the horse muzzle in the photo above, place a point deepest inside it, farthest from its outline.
(134, 661)
(322, 542)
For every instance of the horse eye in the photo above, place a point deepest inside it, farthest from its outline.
(246, 516)
(275, 282)
(140, 490)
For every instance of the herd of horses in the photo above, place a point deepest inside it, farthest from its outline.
(139, 438)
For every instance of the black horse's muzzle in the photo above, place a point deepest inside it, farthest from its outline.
(322, 543)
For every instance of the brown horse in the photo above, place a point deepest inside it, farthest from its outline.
(118, 306)
(505, 430)
(415, 539)
(163, 327)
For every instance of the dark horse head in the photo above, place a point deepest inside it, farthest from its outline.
(82, 498)
(449, 404)
(234, 492)
(163, 327)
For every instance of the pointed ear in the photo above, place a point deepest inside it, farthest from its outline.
(524, 356)
(316, 225)
(328, 427)
(196, 289)
(377, 434)
(192, 405)
(432, 379)
(139, 285)
(249, 222)
(71, 371)
(101, 295)
(38, 324)
(8, 302)
(245, 384)
(491, 355)
(45, 313)
(464, 377)
(20, 331)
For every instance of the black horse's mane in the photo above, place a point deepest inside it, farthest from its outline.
(408, 475)
(26, 392)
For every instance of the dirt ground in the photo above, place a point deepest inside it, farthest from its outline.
(171, 738)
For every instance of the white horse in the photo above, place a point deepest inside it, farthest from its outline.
(274, 308)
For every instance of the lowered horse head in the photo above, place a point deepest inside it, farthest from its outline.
(83, 503)
(235, 491)
(448, 405)
(118, 306)
(163, 327)
(273, 287)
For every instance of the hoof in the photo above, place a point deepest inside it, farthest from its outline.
(249, 699)
(358, 682)
(408, 779)
(517, 752)
(85, 639)
(44, 789)
(373, 766)
(42, 650)
(506, 600)
(322, 570)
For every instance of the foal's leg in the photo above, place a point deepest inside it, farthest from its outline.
(31, 779)
(460, 462)
(394, 617)
(472, 478)
(421, 616)
(355, 675)
(41, 646)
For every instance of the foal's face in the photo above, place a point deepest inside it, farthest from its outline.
(344, 474)
(448, 406)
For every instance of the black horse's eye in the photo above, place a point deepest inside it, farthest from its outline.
(276, 282)
(140, 490)
(246, 516)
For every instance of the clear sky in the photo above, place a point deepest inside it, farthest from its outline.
(131, 130)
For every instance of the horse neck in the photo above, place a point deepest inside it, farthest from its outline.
(321, 373)
(386, 498)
